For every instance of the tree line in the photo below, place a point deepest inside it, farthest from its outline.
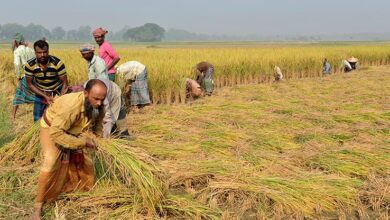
(149, 32)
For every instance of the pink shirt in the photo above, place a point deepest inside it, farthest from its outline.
(108, 54)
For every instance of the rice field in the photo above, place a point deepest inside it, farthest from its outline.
(169, 67)
(308, 148)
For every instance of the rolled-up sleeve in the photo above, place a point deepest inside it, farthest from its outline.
(108, 120)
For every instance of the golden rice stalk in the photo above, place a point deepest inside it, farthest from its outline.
(23, 148)
(132, 166)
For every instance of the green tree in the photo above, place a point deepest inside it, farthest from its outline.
(147, 33)
(58, 33)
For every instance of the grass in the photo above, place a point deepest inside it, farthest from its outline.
(308, 148)
(5, 122)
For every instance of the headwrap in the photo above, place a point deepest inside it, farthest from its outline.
(86, 48)
(99, 32)
(18, 37)
(352, 60)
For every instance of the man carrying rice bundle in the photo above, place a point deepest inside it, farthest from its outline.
(22, 53)
(66, 163)
(136, 75)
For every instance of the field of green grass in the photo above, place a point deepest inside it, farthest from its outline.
(314, 148)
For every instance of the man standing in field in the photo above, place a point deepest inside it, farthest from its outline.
(22, 53)
(96, 65)
(67, 165)
(46, 77)
(106, 52)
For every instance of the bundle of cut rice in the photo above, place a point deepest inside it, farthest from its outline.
(23, 149)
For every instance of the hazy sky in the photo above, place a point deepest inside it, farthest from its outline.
(239, 17)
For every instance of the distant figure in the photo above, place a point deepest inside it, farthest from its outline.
(278, 74)
(136, 76)
(96, 66)
(350, 64)
(204, 76)
(193, 89)
(106, 52)
(326, 67)
(22, 53)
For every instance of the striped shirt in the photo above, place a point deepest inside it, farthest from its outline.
(48, 79)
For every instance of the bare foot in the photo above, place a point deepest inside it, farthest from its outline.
(36, 215)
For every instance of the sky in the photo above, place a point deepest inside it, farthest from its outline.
(230, 17)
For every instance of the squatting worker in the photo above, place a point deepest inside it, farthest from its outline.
(106, 52)
(46, 77)
(67, 165)
(350, 64)
(96, 66)
(136, 75)
(204, 76)
(114, 120)
(193, 89)
(278, 74)
(326, 67)
(22, 53)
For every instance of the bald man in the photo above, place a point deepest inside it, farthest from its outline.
(67, 165)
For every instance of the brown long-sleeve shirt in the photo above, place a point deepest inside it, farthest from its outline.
(68, 121)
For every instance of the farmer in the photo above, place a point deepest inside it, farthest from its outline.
(22, 53)
(278, 74)
(326, 67)
(46, 77)
(193, 89)
(66, 164)
(114, 120)
(204, 76)
(96, 66)
(136, 75)
(106, 52)
(350, 64)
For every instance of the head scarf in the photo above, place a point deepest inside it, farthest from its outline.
(19, 38)
(352, 60)
(86, 48)
(99, 32)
